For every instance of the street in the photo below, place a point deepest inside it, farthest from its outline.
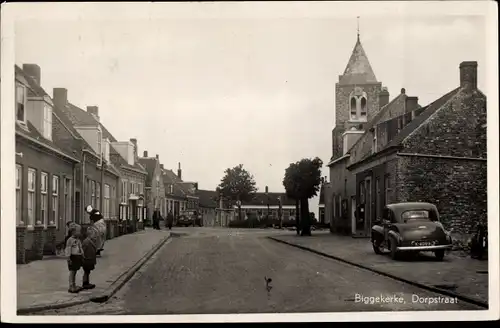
(214, 271)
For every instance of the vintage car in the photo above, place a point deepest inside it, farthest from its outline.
(410, 228)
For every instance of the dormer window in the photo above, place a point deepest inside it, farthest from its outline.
(171, 187)
(21, 103)
(47, 121)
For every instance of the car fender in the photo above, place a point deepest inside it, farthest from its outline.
(396, 235)
(377, 232)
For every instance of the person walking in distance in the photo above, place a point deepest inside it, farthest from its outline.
(74, 254)
(170, 220)
(156, 219)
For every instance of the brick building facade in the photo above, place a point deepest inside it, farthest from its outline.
(406, 152)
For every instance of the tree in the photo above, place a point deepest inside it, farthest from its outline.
(302, 181)
(237, 185)
(291, 188)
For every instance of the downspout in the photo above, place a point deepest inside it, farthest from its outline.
(82, 194)
(101, 192)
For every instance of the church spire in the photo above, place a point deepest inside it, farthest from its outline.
(358, 69)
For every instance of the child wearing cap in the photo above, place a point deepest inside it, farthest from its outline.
(74, 253)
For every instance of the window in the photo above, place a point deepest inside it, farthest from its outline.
(106, 201)
(92, 193)
(124, 191)
(113, 202)
(99, 146)
(171, 188)
(21, 103)
(43, 197)
(55, 199)
(387, 184)
(354, 109)
(377, 196)
(363, 108)
(106, 150)
(19, 207)
(362, 192)
(98, 195)
(47, 122)
(374, 145)
(31, 196)
(67, 199)
(140, 189)
(420, 215)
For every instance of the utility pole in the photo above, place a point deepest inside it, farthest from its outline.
(267, 194)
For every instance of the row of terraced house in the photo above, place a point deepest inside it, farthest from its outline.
(387, 151)
(66, 159)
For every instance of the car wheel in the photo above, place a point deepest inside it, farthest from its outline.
(376, 247)
(439, 254)
(394, 251)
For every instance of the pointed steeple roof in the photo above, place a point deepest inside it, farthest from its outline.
(358, 69)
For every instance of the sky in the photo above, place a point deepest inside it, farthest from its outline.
(213, 85)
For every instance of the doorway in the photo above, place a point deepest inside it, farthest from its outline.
(368, 206)
(353, 215)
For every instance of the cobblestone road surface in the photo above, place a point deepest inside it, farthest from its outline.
(214, 271)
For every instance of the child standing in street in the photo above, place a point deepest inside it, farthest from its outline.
(74, 253)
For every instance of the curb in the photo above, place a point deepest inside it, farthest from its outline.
(108, 293)
(382, 273)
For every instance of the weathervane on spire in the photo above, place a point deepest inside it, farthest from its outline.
(358, 25)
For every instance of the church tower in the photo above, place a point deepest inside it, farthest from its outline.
(356, 101)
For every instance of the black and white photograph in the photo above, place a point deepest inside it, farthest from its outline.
(249, 161)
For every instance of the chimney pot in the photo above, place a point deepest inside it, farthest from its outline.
(157, 156)
(94, 111)
(403, 91)
(33, 71)
(179, 172)
(145, 153)
(133, 140)
(468, 75)
(60, 96)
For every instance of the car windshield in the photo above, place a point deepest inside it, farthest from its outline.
(416, 215)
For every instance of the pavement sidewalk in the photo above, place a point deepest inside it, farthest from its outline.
(44, 284)
(458, 274)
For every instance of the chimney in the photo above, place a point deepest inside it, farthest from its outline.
(134, 142)
(403, 91)
(179, 171)
(157, 156)
(145, 153)
(383, 97)
(196, 186)
(468, 75)
(33, 71)
(162, 166)
(94, 111)
(60, 97)
(411, 103)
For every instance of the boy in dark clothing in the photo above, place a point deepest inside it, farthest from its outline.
(170, 220)
(74, 253)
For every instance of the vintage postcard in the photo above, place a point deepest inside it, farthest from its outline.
(249, 161)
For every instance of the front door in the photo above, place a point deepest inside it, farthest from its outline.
(368, 205)
(353, 215)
